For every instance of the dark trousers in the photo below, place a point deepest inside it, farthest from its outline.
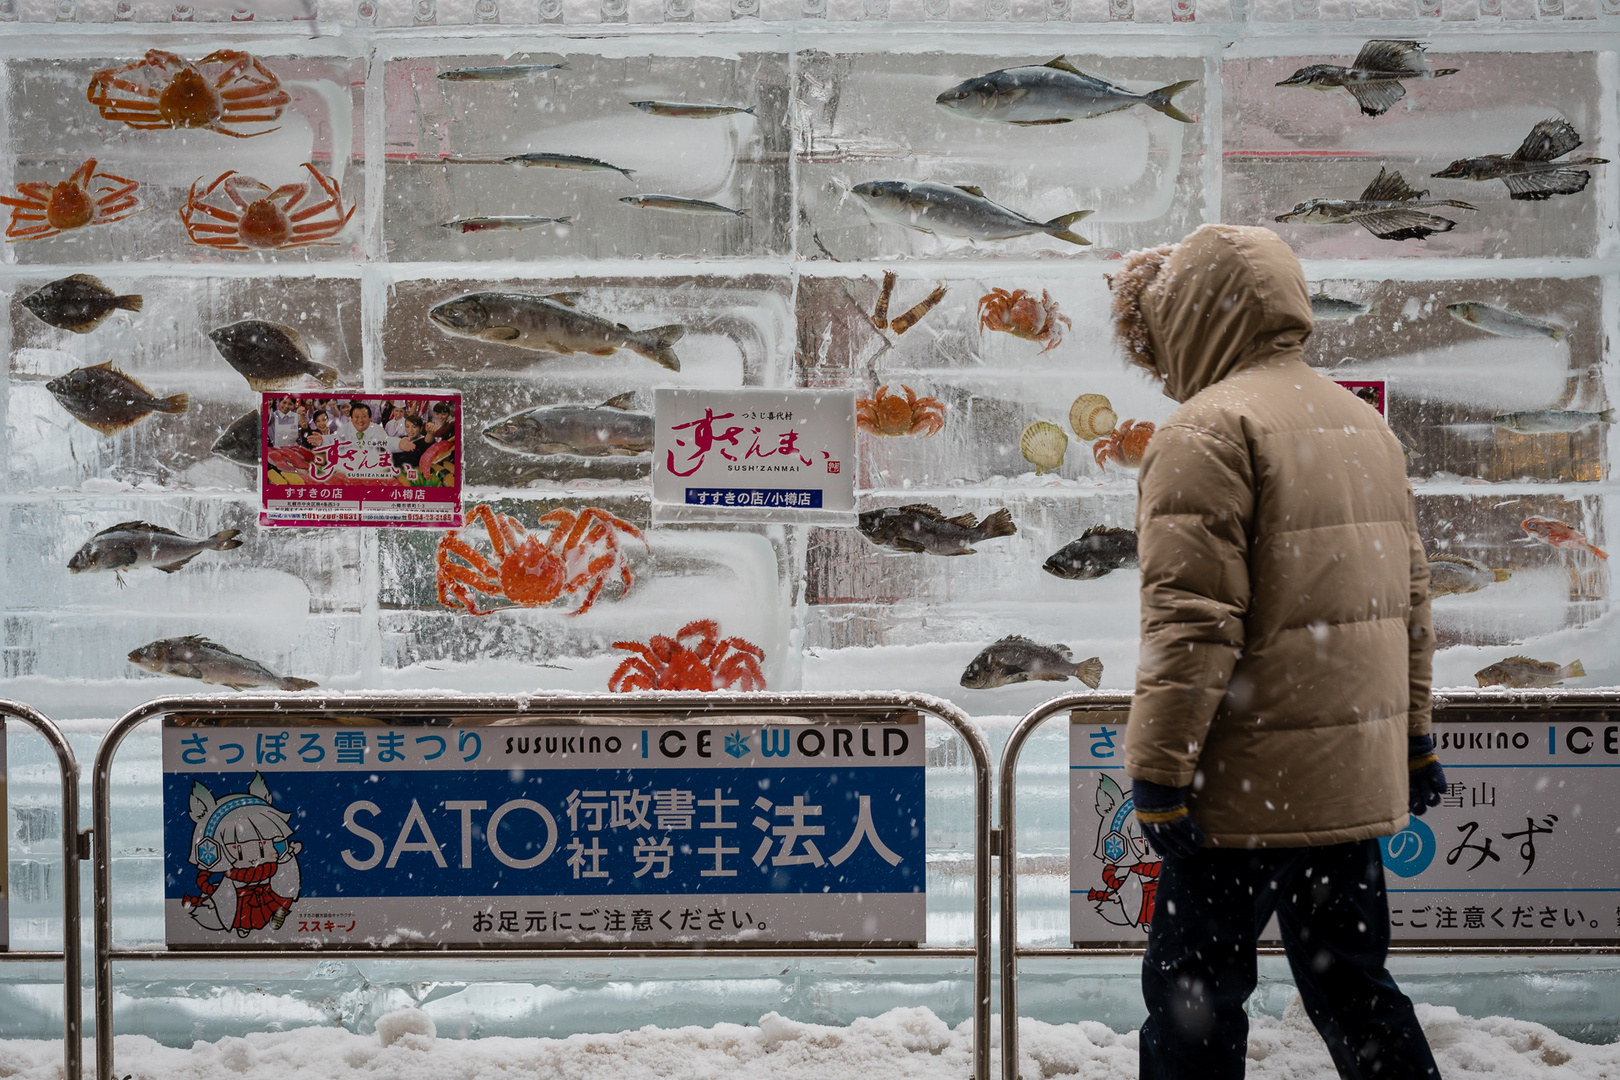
(1334, 916)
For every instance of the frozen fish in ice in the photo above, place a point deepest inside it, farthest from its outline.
(196, 657)
(242, 441)
(1056, 92)
(1374, 77)
(132, 545)
(552, 324)
(689, 111)
(1560, 535)
(1551, 421)
(1387, 209)
(1523, 673)
(920, 528)
(492, 224)
(1530, 173)
(268, 355)
(610, 429)
(108, 400)
(499, 73)
(960, 210)
(680, 205)
(1452, 575)
(1016, 659)
(1503, 323)
(1099, 550)
(79, 303)
(1332, 307)
(566, 161)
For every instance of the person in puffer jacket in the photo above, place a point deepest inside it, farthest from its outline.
(1281, 717)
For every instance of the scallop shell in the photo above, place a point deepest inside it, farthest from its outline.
(1092, 416)
(1043, 445)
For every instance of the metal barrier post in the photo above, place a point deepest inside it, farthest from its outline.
(543, 709)
(71, 954)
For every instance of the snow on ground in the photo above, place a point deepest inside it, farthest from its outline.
(902, 1043)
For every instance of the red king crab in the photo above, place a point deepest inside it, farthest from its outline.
(696, 658)
(1124, 445)
(239, 213)
(46, 209)
(1023, 316)
(890, 414)
(581, 552)
(222, 91)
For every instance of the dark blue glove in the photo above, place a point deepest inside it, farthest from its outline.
(1425, 779)
(1162, 813)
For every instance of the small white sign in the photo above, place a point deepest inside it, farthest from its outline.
(754, 455)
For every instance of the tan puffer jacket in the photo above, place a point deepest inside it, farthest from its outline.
(1286, 638)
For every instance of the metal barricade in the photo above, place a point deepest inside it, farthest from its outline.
(543, 709)
(74, 843)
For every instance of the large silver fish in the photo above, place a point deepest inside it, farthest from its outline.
(1551, 421)
(198, 658)
(1530, 173)
(1016, 659)
(1387, 209)
(131, 545)
(1374, 77)
(606, 430)
(958, 211)
(1056, 92)
(1502, 322)
(552, 324)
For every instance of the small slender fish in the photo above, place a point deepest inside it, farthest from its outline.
(690, 112)
(79, 303)
(1056, 92)
(1331, 307)
(552, 324)
(1099, 550)
(1551, 421)
(1523, 673)
(1504, 323)
(912, 315)
(1016, 659)
(1374, 77)
(1388, 209)
(268, 355)
(241, 442)
(106, 399)
(922, 529)
(196, 657)
(505, 73)
(133, 545)
(566, 161)
(610, 429)
(490, 224)
(680, 205)
(1452, 575)
(960, 210)
(1560, 535)
(1531, 174)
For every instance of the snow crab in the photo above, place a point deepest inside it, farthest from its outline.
(1124, 445)
(252, 215)
(45, 209)
(890, 414)
(223, 91)
(1021, 315)
(581, 552)
(696, 658)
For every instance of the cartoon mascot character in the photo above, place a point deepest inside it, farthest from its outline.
(246, 859)
(1130, 870)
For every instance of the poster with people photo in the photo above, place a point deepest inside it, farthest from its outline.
(348, 458)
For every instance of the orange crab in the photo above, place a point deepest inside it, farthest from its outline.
(581, 552)
(224, 89)
(252, 215)
(889, 414)
(1124, 445)
(696, 658)
(46, 209)
(1021, 315)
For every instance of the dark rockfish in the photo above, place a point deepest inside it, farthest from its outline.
(1099, 550)
(136, 544)
(79, 303)
(1016, 659)
(1056, 92)
(109, 400)
(1452, 575)
(242, 442)
(606, 430)
(960, 210)
(268, 355)
(1531, 173)
(1374, 78)
(1523, 673)
(198, 658)
(1387, 209)
(922, 528)
(552, 324)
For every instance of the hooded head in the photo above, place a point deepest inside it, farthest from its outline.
(1226, 297)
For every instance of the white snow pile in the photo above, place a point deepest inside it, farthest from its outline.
(902, 1043)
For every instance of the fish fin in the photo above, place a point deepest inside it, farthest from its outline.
(999, 523)
(1403, 57)
(1064, 651)
(1375, 99)
(290, 683)
(1159, 100)
(1404, 224)
(1606, 416)
(900, 543)
(1041, 123)
(130, 302)
(169, 568)
(966, 521)
(566, 299)
(107, 366)
(187, 671)
(175, 403)
(660, 352)
(1390, 187)
(1534, 187)
(1573, 670)
(226, 539)
(325, 375)
(499, 333)
(1521, 659)
(1016, 639)
(90, 280)
(971, 190)
(1547, 140)
(622, 401)
(628, 173)
(1062, 64)
(1502, 575)
(109, 427)
(1058, 228)
(924, 510)
(137, 526)
(1090, 672)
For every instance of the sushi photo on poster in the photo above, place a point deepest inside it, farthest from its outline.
(358, 459)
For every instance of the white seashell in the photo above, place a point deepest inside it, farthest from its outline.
(1043, 445)
(1092, 416)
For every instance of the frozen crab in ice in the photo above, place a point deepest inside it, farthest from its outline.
(579, 553)
(890, 414)
(41, 209)
(239, 213)
(225, 91)
(1125, 445)
(696, 658)
(1021, 315)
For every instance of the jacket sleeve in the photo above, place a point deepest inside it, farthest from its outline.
(1194, 509)
(1420, 631)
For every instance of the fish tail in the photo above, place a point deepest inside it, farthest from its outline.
(1159, 100)
(1502, 575)
(328, 376)
(1572, 671)
(1588, 161)
(178, 403)
(1459, 204)
(289, 683)
(1089, 671)
(660, 352)
(749, 110)
(226, 539)
(999, 523)
(1606, 416)
(628, 173)
(1599, 552)
(1059, 227)
(132, 302)
(1442, 72)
